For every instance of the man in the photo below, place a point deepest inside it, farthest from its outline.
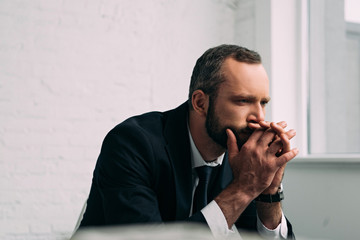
(146, 173)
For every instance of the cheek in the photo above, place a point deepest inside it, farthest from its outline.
(234, 117)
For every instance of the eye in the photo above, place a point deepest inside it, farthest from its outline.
(243, 101)
(264, 103)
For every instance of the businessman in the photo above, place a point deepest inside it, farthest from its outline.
(213, 160)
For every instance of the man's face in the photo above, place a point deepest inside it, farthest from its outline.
(241, 100)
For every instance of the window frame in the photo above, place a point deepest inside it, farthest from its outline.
(294, 28)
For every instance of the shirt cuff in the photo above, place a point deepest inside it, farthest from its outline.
(217, 222)
(280, 232)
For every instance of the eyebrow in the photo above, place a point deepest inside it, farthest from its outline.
(251, 97)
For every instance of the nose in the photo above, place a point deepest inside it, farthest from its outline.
(257, 113)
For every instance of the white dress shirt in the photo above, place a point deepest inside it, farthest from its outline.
(212, 212)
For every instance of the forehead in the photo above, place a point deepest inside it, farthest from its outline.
(244, 79)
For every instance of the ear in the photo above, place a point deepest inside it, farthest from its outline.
(200, 102)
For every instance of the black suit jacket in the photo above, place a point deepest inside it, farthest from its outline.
(144, 175)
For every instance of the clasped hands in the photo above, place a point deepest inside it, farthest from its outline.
(258, 166)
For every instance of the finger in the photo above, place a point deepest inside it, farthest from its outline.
(282, 124)
(289, 134)
(231, 143)
(277, 128)
(274, 186)
(276, 146)
(268, 135)
(254, 126)
(274, 139)
(279, 146)
(286, 157)
(267, 138)
(257, 137)
(284, 136)
(285, 139)
(264, 124)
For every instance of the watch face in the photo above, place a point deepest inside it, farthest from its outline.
(281, 189)
(281, 196)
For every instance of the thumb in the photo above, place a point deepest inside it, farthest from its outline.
(231, 143)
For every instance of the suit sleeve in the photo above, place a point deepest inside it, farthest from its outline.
(123, 176)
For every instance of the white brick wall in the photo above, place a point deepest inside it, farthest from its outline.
(69, 72)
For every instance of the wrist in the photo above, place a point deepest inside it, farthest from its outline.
(270, 214)
(233, 201)
(271, 197)
(241, 192)
(273, 190)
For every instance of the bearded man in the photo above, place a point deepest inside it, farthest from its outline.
(150, 166)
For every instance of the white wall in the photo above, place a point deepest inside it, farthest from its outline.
(69, 72)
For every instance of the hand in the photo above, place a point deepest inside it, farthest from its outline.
(260, 163)
(283, 139)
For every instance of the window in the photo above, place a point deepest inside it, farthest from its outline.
(334, 79)
(311, 51)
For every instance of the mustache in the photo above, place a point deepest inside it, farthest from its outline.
(246, 130)
(242, 131)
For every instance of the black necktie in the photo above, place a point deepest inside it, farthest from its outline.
(200, 196)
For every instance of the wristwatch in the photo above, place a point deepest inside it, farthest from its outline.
(270, 198)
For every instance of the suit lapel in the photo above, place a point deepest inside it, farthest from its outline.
(178, 149)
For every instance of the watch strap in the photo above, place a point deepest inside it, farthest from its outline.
(270, 198)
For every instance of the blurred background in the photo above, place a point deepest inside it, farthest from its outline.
(71, 70)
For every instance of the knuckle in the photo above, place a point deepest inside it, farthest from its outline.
(246, 147)
(261, 141)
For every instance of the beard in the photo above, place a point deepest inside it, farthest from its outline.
(217, 132)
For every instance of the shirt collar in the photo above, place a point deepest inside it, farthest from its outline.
(196, 158)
